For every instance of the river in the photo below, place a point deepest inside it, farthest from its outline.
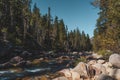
(13, 73)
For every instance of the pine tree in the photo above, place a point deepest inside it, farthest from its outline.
(107, 31)
(36, 23)
(26, 17)
(62, 34)
(22, 25)
(56, 34)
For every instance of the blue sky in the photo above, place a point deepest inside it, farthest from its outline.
(75, 13)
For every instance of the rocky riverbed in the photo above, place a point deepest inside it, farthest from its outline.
(48, 64)
(94, 69)
(36, 65)
(35, 68)
(97, 69)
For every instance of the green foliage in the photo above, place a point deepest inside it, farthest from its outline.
(105, 53)
(4, 30)
(18, 41)
(81, 59)
(79, 41)
(106, 34)
(27, 27)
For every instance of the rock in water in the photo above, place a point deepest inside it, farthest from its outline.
(114, 59)
(16, 59)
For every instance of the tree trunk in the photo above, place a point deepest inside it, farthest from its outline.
(11, 15)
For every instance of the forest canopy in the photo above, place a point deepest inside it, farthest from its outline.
(107, 32)
(26, 27)
(23, 26)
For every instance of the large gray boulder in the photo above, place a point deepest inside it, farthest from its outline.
(70, 74)
(104, 77)
(99, 69)
(81, 68)
(115, 73)
(108, 67)
(114, 59)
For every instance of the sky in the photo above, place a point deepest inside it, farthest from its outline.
(75, 13)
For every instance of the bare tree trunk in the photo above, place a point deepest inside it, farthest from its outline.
(5, 36)
(11, 14)
(25, 28)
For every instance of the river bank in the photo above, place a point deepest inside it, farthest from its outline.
(47, 63)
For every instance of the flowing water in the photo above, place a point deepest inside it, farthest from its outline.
(12, 74)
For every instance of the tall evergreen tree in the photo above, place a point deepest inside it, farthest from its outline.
(108, 29)
(36, 23)
(56, 34)
(23, 26)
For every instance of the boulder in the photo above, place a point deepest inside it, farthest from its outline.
(80, 53)
(108, 66)
(28, 63)
(99, 69)
(19, 61)
(75, 53)
(16, 59)
(114, 59)
(7, 64)
(26, 53)
(96, 56)
(81, 68)
(91, 71)
(66, 72)
(104, 77)
(75, 75)
(70, 74)
(92, 62)
(101, 61)
(115, 73)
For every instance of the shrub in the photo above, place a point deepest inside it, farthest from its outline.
(81, 59)
(18, 41)
(105, 53)
(4, 30)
